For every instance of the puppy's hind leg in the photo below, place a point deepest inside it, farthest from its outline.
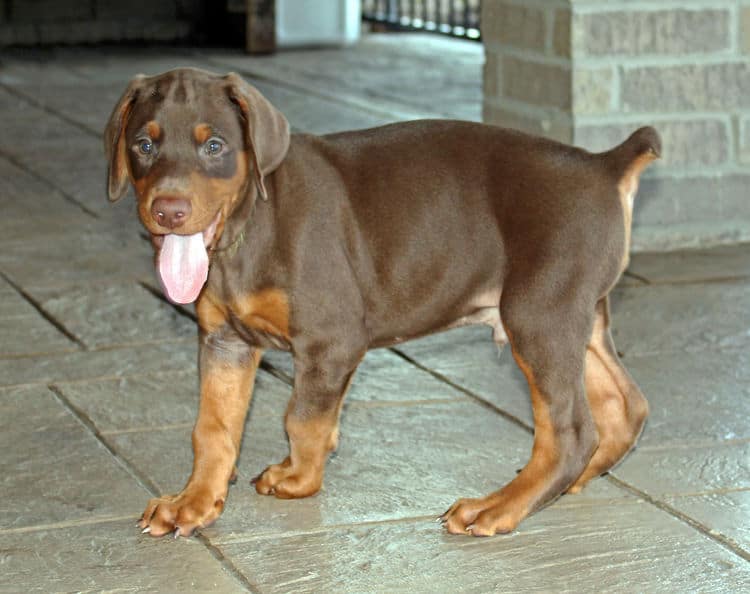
(548, 342)
(618, 405)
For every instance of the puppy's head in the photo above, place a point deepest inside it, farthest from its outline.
(193, 144)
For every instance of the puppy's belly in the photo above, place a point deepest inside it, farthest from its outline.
(489, 316)
(482, 309)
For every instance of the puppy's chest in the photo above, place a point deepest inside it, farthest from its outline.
(261, 316)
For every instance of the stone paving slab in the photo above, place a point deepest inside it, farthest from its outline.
(380, 73)
(108, 557)
(624, 548)
(384, 377)
(73, 259)
(673, 318)
(682, 471)
(107, 363)
(24, 330)
(32, 209)
(162, 398)
(114, 314)
(52, 469)
(12, 305)
(32, 335)
(468, 357)
(694, 397)
(725, 513)
(694, 265)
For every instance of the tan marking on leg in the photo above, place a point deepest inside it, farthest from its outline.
(267, 311)
(502, 511)
(311, 440)
(617, 404)
(226, 391)
(301, 473)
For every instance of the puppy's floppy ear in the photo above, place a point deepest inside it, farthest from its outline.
(114, 141)
(266, 128)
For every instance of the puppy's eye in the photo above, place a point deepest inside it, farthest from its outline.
(146, 146)
(213, 146)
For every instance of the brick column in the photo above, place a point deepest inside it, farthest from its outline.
(589, 72)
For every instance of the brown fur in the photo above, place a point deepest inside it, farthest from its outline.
(364, 239)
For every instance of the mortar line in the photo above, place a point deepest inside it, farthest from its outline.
(724, 541)
(637, 277)
(145, 429)
(719, 280)
(65, 524)
(40, 178)
(145, 483)
(43, 312)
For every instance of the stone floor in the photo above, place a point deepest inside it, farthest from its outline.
(99, 383)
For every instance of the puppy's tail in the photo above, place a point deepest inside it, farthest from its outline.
(629, 159)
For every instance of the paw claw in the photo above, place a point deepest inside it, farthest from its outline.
(179, 515)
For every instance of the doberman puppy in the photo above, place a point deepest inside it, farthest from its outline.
(327, 246)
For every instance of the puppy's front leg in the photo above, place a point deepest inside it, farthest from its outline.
(227, 369)
(311, 421)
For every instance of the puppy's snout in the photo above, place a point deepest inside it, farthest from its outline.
(171, 212)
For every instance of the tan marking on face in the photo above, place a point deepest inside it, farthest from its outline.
(154, 130)
(266, 310)
(627, 188)
(207, 196)
(212, 314)
(216, 194)
(201, 133)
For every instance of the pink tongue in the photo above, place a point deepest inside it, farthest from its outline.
(183, 266)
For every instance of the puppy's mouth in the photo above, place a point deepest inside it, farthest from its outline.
(182, 261)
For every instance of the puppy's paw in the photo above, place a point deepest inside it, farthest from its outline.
(486, 516)
(287, 482)
(181, 514)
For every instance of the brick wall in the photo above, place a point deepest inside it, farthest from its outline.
(590, 71)
(31, 22)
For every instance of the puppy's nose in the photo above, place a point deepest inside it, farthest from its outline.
(171, 212)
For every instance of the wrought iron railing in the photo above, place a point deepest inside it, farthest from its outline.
(459, 18)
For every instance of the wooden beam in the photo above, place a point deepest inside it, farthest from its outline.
(260, 34)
